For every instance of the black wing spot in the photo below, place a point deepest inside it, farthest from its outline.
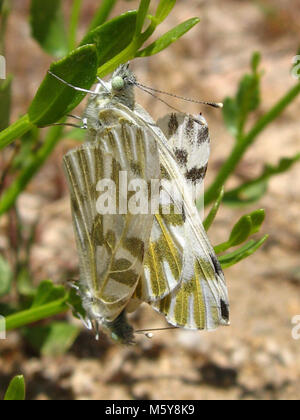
(196, 174)
(203, 135)
(224, 310)
(217, 265)
(181, 156)
(173, 124)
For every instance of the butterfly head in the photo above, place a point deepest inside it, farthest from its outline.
(122, 85)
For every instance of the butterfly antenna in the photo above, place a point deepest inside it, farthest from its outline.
(70, 85)
(158, 98)
(213, 104)
(68, 125)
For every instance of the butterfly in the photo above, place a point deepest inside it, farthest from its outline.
(161, 257)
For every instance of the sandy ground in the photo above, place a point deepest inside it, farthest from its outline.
(256, 357)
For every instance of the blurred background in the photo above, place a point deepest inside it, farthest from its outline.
(256, 357)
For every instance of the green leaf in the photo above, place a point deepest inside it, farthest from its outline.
(257, 219)
(233, 258)
(230, 115)
(5, 102)
(247, 99)
(141, 16)
(112, 37)
(168, 38)
(255, 61)
(163, 10)
(47, 26)
(102, 13)
(247, 225)
(213, 211)
(6, 276)
(16, 389)
(240, 232)
(53, 340)
(253, 190)
(54, 99)
(47, 292)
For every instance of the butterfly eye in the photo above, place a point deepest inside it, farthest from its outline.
(117, 83)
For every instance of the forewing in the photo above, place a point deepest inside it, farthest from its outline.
(111, 246)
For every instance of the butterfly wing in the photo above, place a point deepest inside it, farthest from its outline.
(200, 300)
(188, 138)
(111, 246)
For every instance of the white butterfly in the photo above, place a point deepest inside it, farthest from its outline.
(164, 259)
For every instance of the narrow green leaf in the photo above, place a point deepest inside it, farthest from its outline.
(233, 258)
(248, 98)
(226, 258)
(254, 189)
(213, 211)
(247, 225)
(168, 38)
(236, 110)
(163, 10)
(257, 219)
(102, 13)
(47, 292)
(141, 16)
(112, 37)
(6, 276)
(73, 26)
(219, 249)
(29, 316)
(54, 99)
(241, 231)
(16, 389)
(230, 115)
(5, 102)
(54, 339)
(255, 61)
(47, 26)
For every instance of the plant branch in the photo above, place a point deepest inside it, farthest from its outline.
(242, 145)
(14, 131)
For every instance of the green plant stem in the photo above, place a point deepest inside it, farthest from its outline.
(128, 53)
(102, 13)
(14, 131)
(75, 14)
(242, 145)
(12, 192)
(20, 319)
